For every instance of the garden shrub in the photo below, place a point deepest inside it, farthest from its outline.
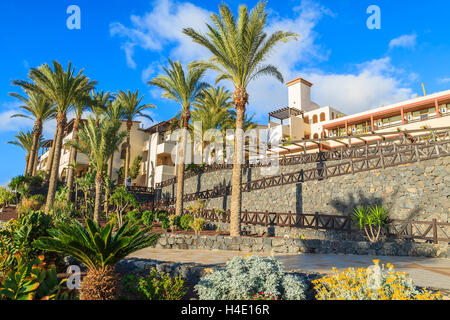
(6, 197)
(163, 217)
(31, 203)
(134, 215)
(18, 236)
(147, 218)
(185, 222)
(243, 278)
(198, 224)
(155, 286)
(374, 283)
(174, 222)
(371, 219)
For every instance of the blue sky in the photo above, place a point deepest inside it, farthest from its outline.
(122, 44)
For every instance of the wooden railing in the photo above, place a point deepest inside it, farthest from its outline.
(431, 231)
(397, 156)
(368, 148)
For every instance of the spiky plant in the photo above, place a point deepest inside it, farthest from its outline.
(185, 89)
(239, 48)
(132, 108)
(99, 249)
(39, 108)
(98, 142)
(63, 88)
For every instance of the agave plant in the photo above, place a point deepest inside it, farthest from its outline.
(99, 250)
(371, 219)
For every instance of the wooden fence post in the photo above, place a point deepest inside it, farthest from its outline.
(316, 217)
(435, 235)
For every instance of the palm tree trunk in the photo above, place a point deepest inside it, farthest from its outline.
(52, 153)
(34, 171)
(127, 157)
(37, 129)
(98, 195)
(61, 122)
(180, 169)
(27, 162)
(72, 159)
(240, 99)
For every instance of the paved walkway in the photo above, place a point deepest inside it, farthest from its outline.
(427, 272)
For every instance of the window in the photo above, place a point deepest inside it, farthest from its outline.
(316, 136)
(306, 119)
(315, 118)
(322, 116)
(332, 116)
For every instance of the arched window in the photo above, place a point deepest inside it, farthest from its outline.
(316, 136)
(306, 119)
(322, 116)
(123, 151)
(315, 118)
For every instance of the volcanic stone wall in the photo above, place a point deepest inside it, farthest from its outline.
(416, 191)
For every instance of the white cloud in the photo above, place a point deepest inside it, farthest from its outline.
(163, 27)
(404, 41)
(13, 124)
(365, 85)
(444, 80)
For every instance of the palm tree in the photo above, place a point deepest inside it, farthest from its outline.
(25, 142)
(132, 108)
(98, 142)
(99, 104)
(41, 110)
(239, 48)
(185, 89)
(114, 112)
(99, 249)
(62, 88)
(79, 108)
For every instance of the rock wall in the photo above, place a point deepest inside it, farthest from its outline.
(286, 245)
(416, 191)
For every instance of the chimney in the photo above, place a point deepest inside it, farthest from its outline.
(299, 91)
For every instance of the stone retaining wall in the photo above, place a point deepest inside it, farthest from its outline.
(286, 245)
(416, 191)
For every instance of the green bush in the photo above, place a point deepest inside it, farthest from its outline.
(155, 286)
(163, 217)
(6, 197)
(198, 224)
(18, 236)
(242, 278)
(32, 280)
(174, 222)
(134, 215)
(148, 218)
(185, 222)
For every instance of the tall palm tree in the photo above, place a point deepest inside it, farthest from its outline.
(114, 112)
(24, 140)
(184, 88)
(239, 48)
(99, 104)
(132, 108)
(62, 88)
(98, 142)
(79, 108)
(40, 109)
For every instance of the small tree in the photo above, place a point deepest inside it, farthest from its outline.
(6, 197)
(135, 167)
(122, 201)
(372, 220)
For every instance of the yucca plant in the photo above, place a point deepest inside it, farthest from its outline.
(99, 250)
(371, 219)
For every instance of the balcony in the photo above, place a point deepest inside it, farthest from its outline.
(165, 147)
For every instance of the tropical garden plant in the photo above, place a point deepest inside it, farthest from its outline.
(371, 219)
(122, 201)
(131, 109)
(24, 140)
(98, 142)
(63, 88)
(6, 197)
(99, 249)
(185, 88)
(39, 108)
(374, 283)
(239, 47)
